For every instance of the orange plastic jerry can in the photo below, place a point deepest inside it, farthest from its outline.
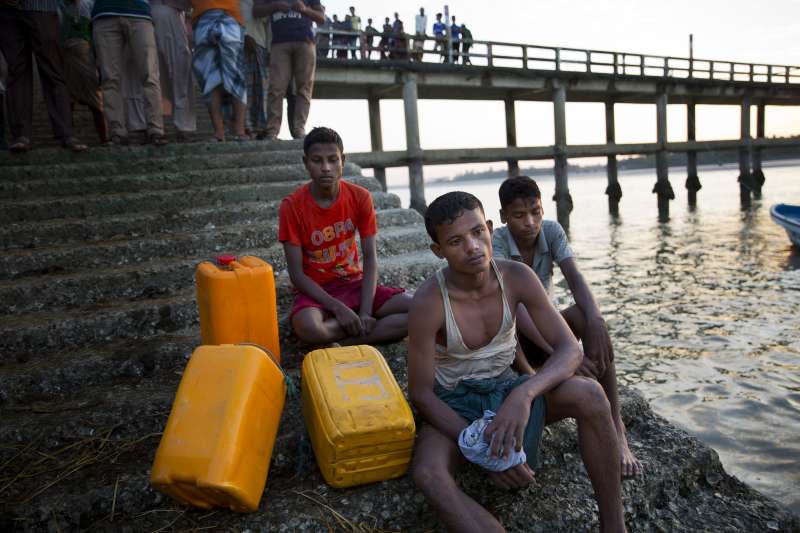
(360, 424)
(217, 445)
(237, 302)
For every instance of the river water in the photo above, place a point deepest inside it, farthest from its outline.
(704, 310)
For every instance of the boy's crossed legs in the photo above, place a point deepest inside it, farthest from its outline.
(315, 325)
(437, 458)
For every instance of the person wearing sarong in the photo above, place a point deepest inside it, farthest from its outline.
(293, 55)
(80, 67)
(256, 70)
(124, 40)
(175, 64)
(218, 64)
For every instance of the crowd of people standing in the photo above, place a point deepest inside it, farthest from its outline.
(349, 38)
(134, 62)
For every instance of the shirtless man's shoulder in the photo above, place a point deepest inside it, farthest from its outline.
(427, 305)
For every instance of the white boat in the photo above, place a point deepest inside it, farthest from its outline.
(788, 217)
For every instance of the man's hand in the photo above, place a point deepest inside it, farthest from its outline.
(588, 369)
(349, 320)
(299, 6)
(597, 344)
(368, 323)
(509, 424)
(281, 6)
(516, 477)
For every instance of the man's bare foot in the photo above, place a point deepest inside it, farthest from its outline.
(516, 477)
(631, 466)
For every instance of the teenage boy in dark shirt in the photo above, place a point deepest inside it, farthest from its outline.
(540, 244)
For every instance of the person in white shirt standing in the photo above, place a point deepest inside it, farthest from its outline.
(419, 43)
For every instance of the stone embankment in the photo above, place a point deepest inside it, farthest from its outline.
(98, 319)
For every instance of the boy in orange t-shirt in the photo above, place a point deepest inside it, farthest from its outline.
(338, 300)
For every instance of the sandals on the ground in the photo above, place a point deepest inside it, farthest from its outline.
(20, 145)
(72, 143)
(158, 139)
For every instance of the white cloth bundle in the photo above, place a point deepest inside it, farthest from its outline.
(477, 450)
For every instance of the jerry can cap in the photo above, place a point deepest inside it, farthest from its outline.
(225, 260)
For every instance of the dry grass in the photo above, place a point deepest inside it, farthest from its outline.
(340, 523)
(51, 468)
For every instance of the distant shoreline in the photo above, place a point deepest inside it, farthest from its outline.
(715, 159)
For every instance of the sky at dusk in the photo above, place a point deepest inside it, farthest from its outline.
(765, 32)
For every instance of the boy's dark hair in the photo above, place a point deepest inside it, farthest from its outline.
(322, 135)
(448, 207)
(518, 187)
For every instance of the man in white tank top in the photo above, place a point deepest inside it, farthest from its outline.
(461, 349)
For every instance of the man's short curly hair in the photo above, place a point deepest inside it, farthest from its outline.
(448, 207)
(518, 187)
(322, 135)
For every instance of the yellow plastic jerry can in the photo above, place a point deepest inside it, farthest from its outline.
(360, 424)
(217, 445)
(236, 300)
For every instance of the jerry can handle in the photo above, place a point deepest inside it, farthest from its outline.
(291, 388)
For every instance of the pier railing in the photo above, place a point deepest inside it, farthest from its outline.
(557, 59)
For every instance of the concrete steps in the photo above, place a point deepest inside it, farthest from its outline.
(165, 200)
(125, 154)
(63, 231)
(155, 180)
(142, 164)
(34, 334)
(93, 283)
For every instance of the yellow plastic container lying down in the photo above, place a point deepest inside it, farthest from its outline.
(217, 446)
(236, 300)
(360, 424)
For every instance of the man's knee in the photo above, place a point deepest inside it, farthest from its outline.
(307, 325)
(592, 399)
(430, 478)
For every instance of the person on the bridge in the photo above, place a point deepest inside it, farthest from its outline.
(354, 24)
(466, 44)
(369, 37)
(421, 24)
(385, 43)
(540, 244)
(455, 34)
(439, 29)
(461, 346)
(337, 299)
(293, 54)
(340, 40)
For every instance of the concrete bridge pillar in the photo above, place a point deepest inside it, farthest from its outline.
(745, 178)
(511, 135)
(562, 197)
(757, 177)
(376, 136)
(692, 179)
(416, 183)
(613, 191)
(662, 188)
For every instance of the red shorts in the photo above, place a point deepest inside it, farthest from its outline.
(349, 293)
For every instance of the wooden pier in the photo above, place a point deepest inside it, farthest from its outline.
(511, 72)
